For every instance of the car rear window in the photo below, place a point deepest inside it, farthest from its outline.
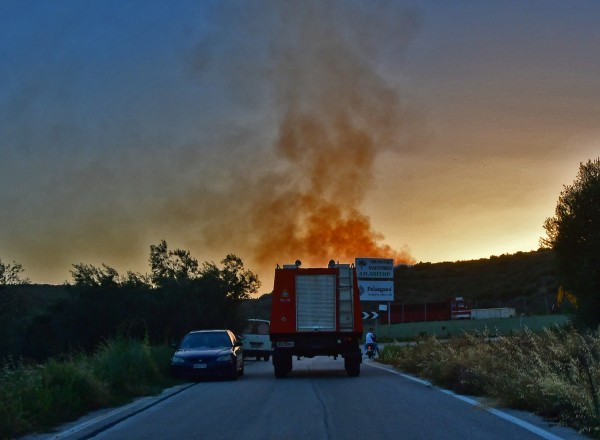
(198, 340)
(257, 328)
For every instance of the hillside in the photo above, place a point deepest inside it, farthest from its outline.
(525, 280)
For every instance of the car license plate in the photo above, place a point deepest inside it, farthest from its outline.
(199, 365)
(285, 344)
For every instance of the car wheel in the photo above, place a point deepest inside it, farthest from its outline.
(266, 358)
(241, 371)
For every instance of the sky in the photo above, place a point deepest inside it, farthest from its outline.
(423, 131)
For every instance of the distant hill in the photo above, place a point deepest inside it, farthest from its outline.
(525, 280)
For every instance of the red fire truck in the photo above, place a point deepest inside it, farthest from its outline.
(316, 312)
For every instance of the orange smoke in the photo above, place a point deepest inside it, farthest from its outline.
(335, 115)
(329, 232)
(333, 166)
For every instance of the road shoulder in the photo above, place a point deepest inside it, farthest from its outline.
(529, 421)
(98, 421)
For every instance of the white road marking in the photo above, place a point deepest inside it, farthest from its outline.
(525, 425)
(143, 404)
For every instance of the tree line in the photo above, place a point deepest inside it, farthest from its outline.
(178, 295)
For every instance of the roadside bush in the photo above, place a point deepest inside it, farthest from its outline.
(69, 390)
(161, 356)
(20, 385)
(39, 396)
(127, 367)
(35, 397)
(451, 364)
(555, 373)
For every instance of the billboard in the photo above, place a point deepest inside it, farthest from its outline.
(375, 278)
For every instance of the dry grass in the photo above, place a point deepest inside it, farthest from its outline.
(554, 373)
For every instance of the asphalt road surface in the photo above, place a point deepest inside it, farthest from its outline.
(319, 401)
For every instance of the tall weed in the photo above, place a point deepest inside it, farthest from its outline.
(20, 385)
(127, 366)
(70, 389)
(555, 373)
(36, 397)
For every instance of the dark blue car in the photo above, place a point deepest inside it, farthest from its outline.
(208, 353)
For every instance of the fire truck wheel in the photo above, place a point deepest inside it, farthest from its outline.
(352, 367)
(282, 363)
(280, 371)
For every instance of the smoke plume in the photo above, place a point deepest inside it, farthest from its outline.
(248, 127)
(335, 114)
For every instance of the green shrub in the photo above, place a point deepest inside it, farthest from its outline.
(36, 397)
(70, 389)
(161, 356)
(127, 366)
(20, 385)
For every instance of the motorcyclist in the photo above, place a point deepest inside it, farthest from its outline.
(371, 338)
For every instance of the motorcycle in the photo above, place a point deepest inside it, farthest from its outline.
(371, 350)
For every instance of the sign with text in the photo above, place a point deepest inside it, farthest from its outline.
(375, 279)
(375, 268)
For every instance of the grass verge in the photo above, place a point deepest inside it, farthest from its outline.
(38, 397)
(554, 373)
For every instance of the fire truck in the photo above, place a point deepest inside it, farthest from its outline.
(316, 312)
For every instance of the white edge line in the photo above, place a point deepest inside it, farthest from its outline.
(525, 425)
(139, 402)
(91, 422)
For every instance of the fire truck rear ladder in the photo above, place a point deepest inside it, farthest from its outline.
(345, 289)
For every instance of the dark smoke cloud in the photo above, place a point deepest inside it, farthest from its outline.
(249, 129)
(334, 113)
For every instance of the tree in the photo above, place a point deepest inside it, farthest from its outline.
(221, 291)
(10, 274)
(238, 283)
(574, 233)
(175, 298)
(205, 297)
(171, 266)
(16, 307)
(86, 275)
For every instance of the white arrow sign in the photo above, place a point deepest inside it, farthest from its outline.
(370, 315)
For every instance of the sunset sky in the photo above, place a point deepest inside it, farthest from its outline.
(280, 130)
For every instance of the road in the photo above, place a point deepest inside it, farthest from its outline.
(319, 401)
